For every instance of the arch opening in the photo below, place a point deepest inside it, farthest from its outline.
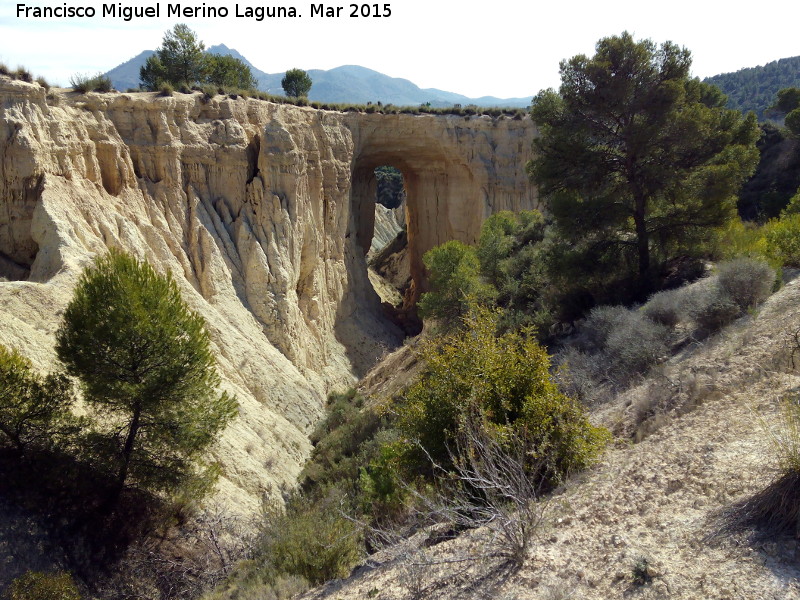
(387, 257)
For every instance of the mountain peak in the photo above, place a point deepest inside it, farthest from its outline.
(343, 84)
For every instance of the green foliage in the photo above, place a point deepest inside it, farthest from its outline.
(35, 585)
(506, 382)
(787, 100)
(144, 361)
(783, 239)
(296, 83)
(755, 88)
(181, 56)
(227, 71)
(181, 62)
(455, 283)
(343, 443)
(777, 176)
(390, 186)
(85, 83)
(153, 74)
(793, 206)
(636, 160)
(787, 105)
(34, 410)
(738, 238)
(310, 540)
(514, 260)
(792, 121)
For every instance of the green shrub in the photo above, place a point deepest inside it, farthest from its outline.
(310, 540)
(102, 84)
(455, 283)
(34, 410)
(342, 443)
(249, 582)
(746, 281)
(737, 238)
(166, 90)
(35, 585)
(783, 240)
(506, 381)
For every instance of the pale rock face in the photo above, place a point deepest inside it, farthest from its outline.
(388, 223)
(256, 210)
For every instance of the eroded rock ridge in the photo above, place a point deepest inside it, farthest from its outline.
(263, 213)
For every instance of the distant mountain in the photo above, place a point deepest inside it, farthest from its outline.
(126, 75)
(755, 88)
(347, 84)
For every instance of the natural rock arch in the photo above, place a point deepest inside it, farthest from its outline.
(457, 172)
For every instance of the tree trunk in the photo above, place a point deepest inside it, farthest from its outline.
(127, 452)
(642, 236)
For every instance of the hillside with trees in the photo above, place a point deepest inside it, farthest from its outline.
(755, 88)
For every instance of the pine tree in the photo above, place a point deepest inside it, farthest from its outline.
(147, 370)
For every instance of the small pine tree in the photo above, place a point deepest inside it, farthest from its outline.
(145, 363)
(34, 410)
(296, 83)
(455, 283)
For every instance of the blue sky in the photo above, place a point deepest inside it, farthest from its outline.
(495, 47)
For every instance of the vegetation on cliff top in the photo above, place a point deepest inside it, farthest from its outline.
(182, 60)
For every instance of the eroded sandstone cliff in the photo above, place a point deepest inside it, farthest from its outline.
(263, 214)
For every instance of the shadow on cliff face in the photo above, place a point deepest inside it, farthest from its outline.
(367, 322)
(17, 248)
(362, 327)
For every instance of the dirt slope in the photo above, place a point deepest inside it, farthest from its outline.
(658, 499)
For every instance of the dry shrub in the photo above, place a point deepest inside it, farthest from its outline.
(635, 346)
(662, 397)
(577, 376)
(714, 310)
(666, 307)
(618, 345)
(746, 281)
(180, 563)
(776, 509)
(599, 325)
